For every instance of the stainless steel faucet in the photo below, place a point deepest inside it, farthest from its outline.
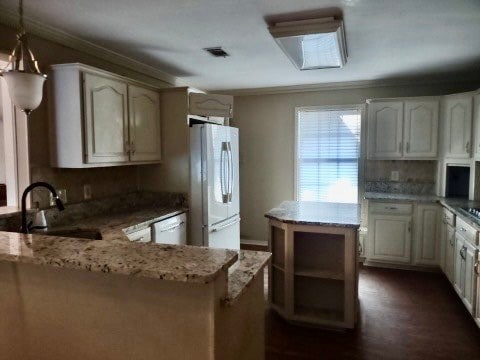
(25, 226)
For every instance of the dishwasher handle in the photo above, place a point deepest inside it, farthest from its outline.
(172, 227)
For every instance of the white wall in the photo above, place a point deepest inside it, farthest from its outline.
(267, 128)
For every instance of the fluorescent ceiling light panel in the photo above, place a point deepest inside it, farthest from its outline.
(312, 44)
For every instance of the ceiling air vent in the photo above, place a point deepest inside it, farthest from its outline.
(216, 51)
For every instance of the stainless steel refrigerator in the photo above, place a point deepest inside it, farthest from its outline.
(214, 186)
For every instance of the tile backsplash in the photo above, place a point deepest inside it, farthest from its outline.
(409, 171)
(105, 182)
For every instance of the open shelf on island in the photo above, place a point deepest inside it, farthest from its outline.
(320, 254)
(315, 297)
(278, 246)
(278, 287)
(320, 273)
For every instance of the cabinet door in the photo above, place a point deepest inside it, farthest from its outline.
(385, 130)
(458, 127)
(476, 124)
(443, 245)
(145, 133)
(421, 129)
(106, 127)
(450, 252)
(470, 285)
(389, 238)
(459, 265)
(211, 105)
(477, 292)
(426, 235)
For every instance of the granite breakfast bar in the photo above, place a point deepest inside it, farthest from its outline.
(313, 275)
(67, 298)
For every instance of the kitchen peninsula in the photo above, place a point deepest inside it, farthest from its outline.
(313, 275)
(67, 298)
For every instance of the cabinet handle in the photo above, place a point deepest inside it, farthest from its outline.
(463, 229)
(462, 253)
(467, 147)
(400, 146)
(392, 208)
(475, 267)
(127, 147)
(132, 144)
(408, 146)
(451, 241)
(409, 226)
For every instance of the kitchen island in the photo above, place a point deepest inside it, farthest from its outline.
(313, 277)
(67, 298)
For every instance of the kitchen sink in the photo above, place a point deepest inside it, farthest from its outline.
(91, 234)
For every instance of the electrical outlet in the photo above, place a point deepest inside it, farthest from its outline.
(62, 194)
(394, 176)
(87, 192)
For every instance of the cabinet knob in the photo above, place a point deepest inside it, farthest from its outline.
(467, 147)
(475, 267)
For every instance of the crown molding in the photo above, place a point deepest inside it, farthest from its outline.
(10, 19)
(474, 83)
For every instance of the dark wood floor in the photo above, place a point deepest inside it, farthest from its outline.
(403, 315)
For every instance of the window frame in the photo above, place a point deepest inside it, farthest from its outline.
(361, 160)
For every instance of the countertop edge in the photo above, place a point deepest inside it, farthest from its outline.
(250, 265)
(312, 223)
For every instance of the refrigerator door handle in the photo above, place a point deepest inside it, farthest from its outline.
(223, 172)
(226, 225)
(230, 172)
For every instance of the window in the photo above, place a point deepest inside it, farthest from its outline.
(328, 154)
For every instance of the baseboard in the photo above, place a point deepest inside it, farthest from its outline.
(402, 266)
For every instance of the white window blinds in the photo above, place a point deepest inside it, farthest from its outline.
(328, 151)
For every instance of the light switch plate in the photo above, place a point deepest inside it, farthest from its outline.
(394, 176)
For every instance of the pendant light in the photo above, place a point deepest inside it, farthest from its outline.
(24, 79)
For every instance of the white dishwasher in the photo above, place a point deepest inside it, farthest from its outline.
(171, 231)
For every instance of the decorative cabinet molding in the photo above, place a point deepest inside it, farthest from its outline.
(403, 129)
(145, 132)
(385, 121)
(421, 129)
(101, 119)
(211, 105)
(106, 120)
(457, 114)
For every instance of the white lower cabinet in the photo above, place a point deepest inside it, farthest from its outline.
(389, 238)
(449, 252)
(477, 292)
(465, 280)
(427, 246)
(404, 233)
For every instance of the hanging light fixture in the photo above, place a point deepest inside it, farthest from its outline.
(24, 79)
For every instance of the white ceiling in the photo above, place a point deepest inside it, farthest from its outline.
(386, 39)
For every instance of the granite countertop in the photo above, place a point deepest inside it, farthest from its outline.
(242, 273)
(400, 197)
(116, 226)
(317, 213)
(157, 261)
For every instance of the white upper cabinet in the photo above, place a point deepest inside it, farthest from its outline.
(144, 106)
(457, 114)
(404, 129)
(101, 119)
(476, 124)
(421, 129)
(385, 130)
(106, 116)
(211, 105)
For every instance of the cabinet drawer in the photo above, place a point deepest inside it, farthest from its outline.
(468, 232)
(390, 208)
(448, 217)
